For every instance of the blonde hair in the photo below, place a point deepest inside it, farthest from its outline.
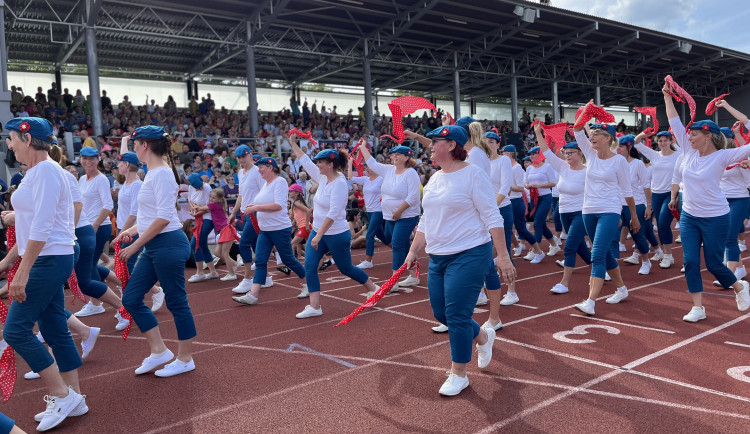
(476, 138)
(219, 192)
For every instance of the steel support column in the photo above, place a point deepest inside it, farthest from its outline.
(92, 64)
(643, 104)
(5, 114)
(514, 98)
(456, 88)
(252, 96)
(555, 104)
(367, 77)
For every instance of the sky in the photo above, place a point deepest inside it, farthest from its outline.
(718, 22)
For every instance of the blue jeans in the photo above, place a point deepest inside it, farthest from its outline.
(162, 260)
(712, 232)
(399, 232)
(248, 241)
(85, 266)
(556, 213)
(45, 305)
(103, 234)
(604, 231)
(340, 246)
(660, 204)
(202, 252)
(133, 259)
(575, 243)
(506, 213)
(6, 424)
(519, 220)
(543, 205)
(737, 213)
(453, 283)
(375, 228)
(282, 240)
(639, 237)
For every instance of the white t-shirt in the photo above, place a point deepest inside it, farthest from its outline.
(127, 202)
(330, 199)
(156, 199)
(638, 181)
(478, 158)
(571, 183)
(459, 211)
(96, 196)
(397, 189)
(662, 168)
(44, 210)
(75, 193)
(543, 174)
(371, 192)
(702, 195)
(201, 197)
(276, 192)
(607, 181)
(502, 178)
(250, 184)
(734, 183)
(518, 176)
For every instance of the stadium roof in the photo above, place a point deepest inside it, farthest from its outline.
(412, 45)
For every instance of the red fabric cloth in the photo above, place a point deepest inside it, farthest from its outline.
(453, 121)
(379, 294)
(75, 289)
(555, 135)
(229, 233)
(534, 193)
(401, 107)
(675, 214)
(121, 271)
(592, 111)
(649, 111)
(196, 232)
(711, 107)
(307, 135)
(8, 359)
(358, 161)
(681, 93)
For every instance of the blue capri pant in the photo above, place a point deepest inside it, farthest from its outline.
(738, 208)
(340, 246)
(45, 306)
(103, 234)
(639, 237)
(543, 205)
(660, 204)
(519, 220)
(248, 240)
(453, 283)
(399, 232)
(604, 231)
(282, 240)
(87, 271)
(162, 260)
(202, 252)
(576, 242)
(556, 213)
(712, 232)
(375, 228)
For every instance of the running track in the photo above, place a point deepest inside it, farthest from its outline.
(634, 367)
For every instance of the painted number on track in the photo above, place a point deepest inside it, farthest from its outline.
(740, 373)
(583, 330)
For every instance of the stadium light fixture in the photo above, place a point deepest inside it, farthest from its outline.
(685, 47)
(453, 20)
(519, 10)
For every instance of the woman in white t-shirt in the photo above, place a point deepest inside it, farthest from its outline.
(165, 251)
(199, 194)
(518, 202)
(734, 184)
(270, 204)
(705, 213)
(539, 179)
(371, 184)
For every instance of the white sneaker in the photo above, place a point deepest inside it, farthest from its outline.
(563, 236)
(309, 312)
(509, 298)
(228, 277)
(122, 323)
(303, 293)
(634, 259)
(743, 297)
(197, 278)
(252, 267)
(645, 268)
(157, 300)
(529, 256)
(717, 284)
(742, 246)
(80, 410)
(58, 409)
(559, 289)
(557, 239)
(740, 273)
(210, 276)
(658, 255)
(88, 344)
(240, 262)
(409, 281)
(482, 300)
(607, 277)
(679, 239)
(488, 325)
(90, 309)
(560, 263)
(248, 298)
(517, 251)
(588, 244)
(586, 306)
(484, 352)
(244, 287)
(677, 225)
(442, 328)
(153, 361)
(177, 367)
(553, 250)
(622, 247)
(365, 265)
(696, 314)
(629, 237)
(31, 375)
(619, 295)
(39, 337)
(529, 227)
(666, 261)
(269, 282)
(537, 258)
(454, 385)
(682, 270)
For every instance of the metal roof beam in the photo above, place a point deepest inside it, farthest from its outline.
(591, 28)
(602, 55)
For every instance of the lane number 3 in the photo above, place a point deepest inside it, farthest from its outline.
(583, 330)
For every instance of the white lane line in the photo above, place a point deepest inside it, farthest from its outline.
(557, 353)
(622, 323)
(737, 344)
(523, 305)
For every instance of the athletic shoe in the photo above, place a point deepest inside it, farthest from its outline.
(58, 409)
(484, 352)
(177, 367)
(88, 344)
(586, 306)
(365, 265)
(80, 410)
(240, 262)
(629, 237)
(154, 361)
(90, 309)
(682, 270)
(210, 276)
(227, 277)
(529, 227)
(559, 288)
(269, 282)
(677, 226)
(560, 263)
(31, 375)
(252, 267)
(517, 251)
(39, 337)
(309, 312)
(743, 297)
(157, 300)
(537, 258)
(529, 256)
(442, 328)
(482, 300)
(496, 327)
(658, 255)
(740, 273)
(619, 295)
(696, 314)
(454, 385)
(553, 250)
(645, 268)
(122, 323)
(409, 281)
(679, 239)
(718, 284)
(563, 236)
(558, 240)
(248, 298)
(197, 278)
(325, 264)
(634, 259)
(666, 261)
(284, 269)
(588, 244)
(742, 245)
(509, 298)
(303, 293)
(607, 277)
(243, 287)
(622, 247)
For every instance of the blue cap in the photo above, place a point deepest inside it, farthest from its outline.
(492, 135)
(195, 181)
(268, 161)
(706, 126)
(728, 133)
(609, 129)
(450, 132)
(509, 148)
(149, 132)
(571, 145)
(326, 154)
(256, 157)
(404, 150)
(628, 139)
(38, 128)
(464, 122)
(534, 150)
(664, 134)
(129, 157)
(242, 150)
(526, 159)
(88, 151)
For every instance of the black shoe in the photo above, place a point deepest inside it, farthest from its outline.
(284, 269)
(325, 265)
